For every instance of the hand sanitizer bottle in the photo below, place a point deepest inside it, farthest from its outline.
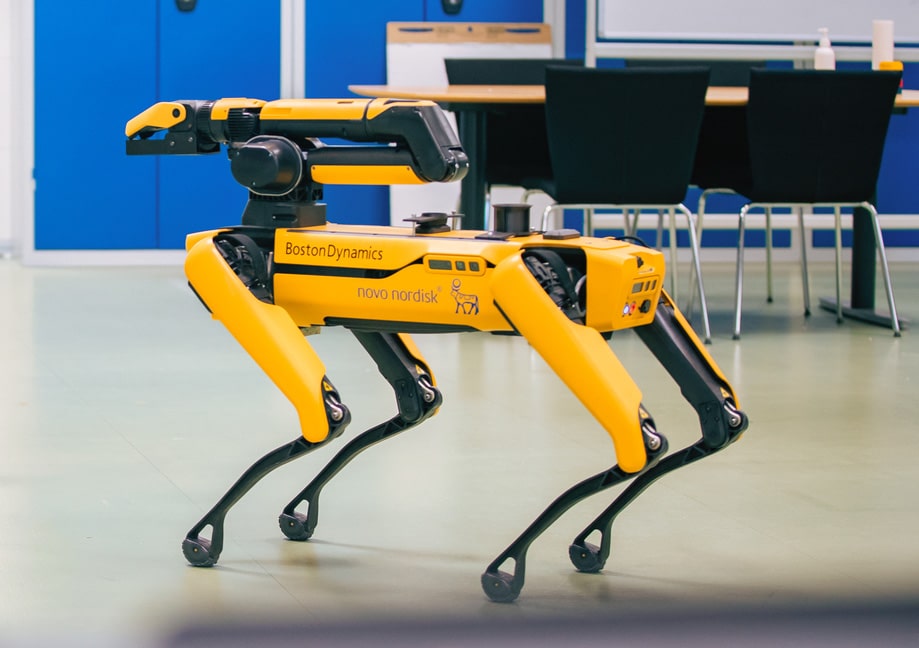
(824, 57)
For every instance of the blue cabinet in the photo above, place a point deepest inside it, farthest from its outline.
(346, 44)
(486, 11)
(221, 49)
(97, 64)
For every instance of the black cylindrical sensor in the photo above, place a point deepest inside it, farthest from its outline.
(512, 218)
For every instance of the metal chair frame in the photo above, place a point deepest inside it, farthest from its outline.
(799, 209)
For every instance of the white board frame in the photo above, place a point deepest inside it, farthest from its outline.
(718, 29)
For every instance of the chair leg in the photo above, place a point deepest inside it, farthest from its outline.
(547, 213)
(529, 193)
(894, 320)
(804, 277)
(696, 264)
(673, 269)
(738, 290)
(769, 255)
(630, 225)
(700, 216)
(837, 217)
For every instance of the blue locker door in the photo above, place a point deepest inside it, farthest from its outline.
(346, 44)
(94, 65)
(487, 11)
(220, 49)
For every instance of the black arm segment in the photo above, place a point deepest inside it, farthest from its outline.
(417, 134)
(700, 382)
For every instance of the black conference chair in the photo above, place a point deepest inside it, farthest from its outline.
(722, 164)
(625, 139)
(502, 71)
(816, 139)
(515, 141)
(722, 72)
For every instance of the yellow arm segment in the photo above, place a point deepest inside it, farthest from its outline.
(579, 355)
(265, 331)
(274, 144)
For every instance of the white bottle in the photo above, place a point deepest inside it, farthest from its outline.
(824, 57)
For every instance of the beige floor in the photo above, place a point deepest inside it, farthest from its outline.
(125, 412)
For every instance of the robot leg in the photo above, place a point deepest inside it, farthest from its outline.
(215, 270)
(400, 362)
(675, 345)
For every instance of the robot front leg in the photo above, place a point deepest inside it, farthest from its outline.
(226, 270)
(204, 552)
(671, 340)
(400, 363)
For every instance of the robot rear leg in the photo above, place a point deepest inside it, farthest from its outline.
(672, 342)
(417, 399)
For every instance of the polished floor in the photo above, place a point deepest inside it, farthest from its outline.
(125, 412)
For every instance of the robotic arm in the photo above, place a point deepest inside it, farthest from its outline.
(275, 152)
(273, 148)
(288, 271)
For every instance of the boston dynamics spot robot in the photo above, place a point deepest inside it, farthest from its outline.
(286, 271)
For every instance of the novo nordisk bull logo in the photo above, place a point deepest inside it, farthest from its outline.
(466, 303)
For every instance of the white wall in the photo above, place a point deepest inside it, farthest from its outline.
(7, 101)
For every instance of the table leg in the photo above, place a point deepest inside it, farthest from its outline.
(471, 125)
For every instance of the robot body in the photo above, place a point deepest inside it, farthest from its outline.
(286, 270)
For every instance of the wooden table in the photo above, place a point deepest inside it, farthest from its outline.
(536, 94)
(471, 103)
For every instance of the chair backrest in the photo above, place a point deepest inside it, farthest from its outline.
(623, 135)
(723, 155)
(722, 158)
(724, 72)
(501, 71)
(515, 135)
(818, 136)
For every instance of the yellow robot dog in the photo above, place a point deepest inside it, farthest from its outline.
(286, 271)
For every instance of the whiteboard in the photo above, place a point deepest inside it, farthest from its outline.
(766, 20)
